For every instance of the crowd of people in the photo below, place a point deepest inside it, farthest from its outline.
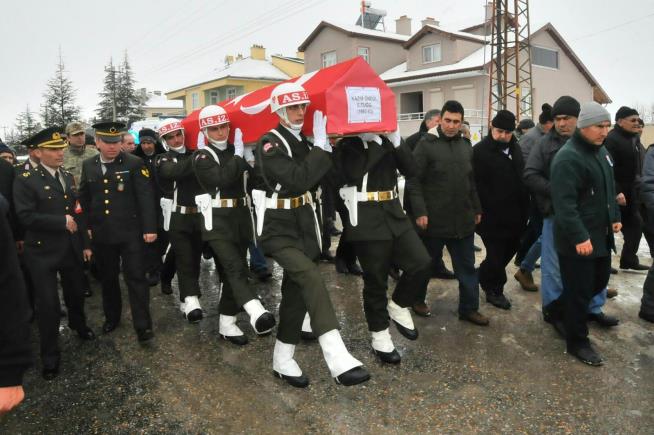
(557, 190)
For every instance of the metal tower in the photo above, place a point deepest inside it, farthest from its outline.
(510, 66)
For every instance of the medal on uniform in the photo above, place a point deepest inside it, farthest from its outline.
(121, 186)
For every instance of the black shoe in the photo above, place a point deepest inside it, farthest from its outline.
(603, 319)
(333, 231)
(295, 381)
(587, 355)
(341, 265)
(263, 274)
(144, 334)
(327, 256)
(614, 271)
(645, 316)
(264, 324)
(195, 316)
(498, 300)
(88, 293)
(477, 249)
(394, 273)
(109, 326)
(443, 274)
(392, 357)
(153, 279)
(355, 269)
(636, 266)
(85, 333)
(353, 376)
(411, 334)
(166, 288)
(239, 340)
(308, 336)
(49, 373)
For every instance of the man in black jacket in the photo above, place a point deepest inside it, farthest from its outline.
(498, 167)
(628, 153)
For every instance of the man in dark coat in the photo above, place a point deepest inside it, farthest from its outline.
(445, 202)
(586, 216)
(647, 197)
(498, 167)
(628, 153)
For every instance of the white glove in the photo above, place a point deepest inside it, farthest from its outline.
(248, 155)
(395, 138)
(238, 142)
(320, 132)
(371, 137)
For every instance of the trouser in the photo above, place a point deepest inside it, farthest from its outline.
(154, 251)
(257, 259)
(303, 290)
(29, 285)
(231, 263)
(436, 254)
(169, 268)
(531, 234)
(376, 258)
(46, 298)
(186, 240)
(550, 275)
(345, 249)
(462, 252)
(632, 230)
(583, 278)
(647, 302)
(529, 261)
(499, 252)
(108, 258)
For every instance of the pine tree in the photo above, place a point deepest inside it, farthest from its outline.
(59, 106)
(26, 124)
(129, 103)
(109, 94)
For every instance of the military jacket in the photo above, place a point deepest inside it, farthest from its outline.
(73, 160)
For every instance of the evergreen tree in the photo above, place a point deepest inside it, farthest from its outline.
(129, 103)
(109, 93)
(26, 124)
(59, 106)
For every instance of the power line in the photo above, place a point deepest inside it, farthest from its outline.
(608, 29)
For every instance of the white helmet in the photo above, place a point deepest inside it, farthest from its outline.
(169, 125)
(212, 115)
(288, 94)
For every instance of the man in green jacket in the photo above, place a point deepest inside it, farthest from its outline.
(446, 206)
(586, 216)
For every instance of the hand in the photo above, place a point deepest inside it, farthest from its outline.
(87, 253)
(621, 199)
(90, 233)
(422, 222)
(371, 137)
(238, 142)
(585, 248)
(248, 155)
(395, 137)
(477, 219)
(20, 246)
(320, 131)
(149, 237)
(10, 397)
(71, 226)
(617, 226)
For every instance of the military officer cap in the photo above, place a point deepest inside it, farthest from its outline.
(74, 128)
(110, 132)
(47, 138)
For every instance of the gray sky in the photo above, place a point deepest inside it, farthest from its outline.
(169, 42)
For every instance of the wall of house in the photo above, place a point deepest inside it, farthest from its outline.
(151, 112)
(452, 50)
(290, 68)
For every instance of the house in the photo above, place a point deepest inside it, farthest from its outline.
(436, 64)
(239, 75)
(156, 105)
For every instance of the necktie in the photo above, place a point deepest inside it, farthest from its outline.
(60, 180)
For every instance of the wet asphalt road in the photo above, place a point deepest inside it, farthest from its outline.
(513, 376)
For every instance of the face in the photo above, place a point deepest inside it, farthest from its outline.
(295, 113)
(218, 132)
(565, 124)
(451, 123)
(147, 146)
(128, 143)
(174, 139)
(51, 157)
(629, 123)
(596, 134)
(34, 155)
(500, 135)
(8, 157)
(639, 131)
(432, 122)
(547, 126)
(108, 150)
(77, 140)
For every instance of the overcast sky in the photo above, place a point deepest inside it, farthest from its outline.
(169, 42)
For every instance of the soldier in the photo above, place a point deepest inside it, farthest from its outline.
(222, 171)
(291, 169)
(382, 233)
(46, 204)
(116, 195)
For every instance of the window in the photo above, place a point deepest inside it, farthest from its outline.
(411, 102)
(214, 97)
(329, 59)
(195, 100)
(545, 57)
(431, 53)
(231, 93)
(364, 52)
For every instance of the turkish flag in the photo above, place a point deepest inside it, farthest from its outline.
(350, 93)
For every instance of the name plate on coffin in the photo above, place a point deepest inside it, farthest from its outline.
(363, 105)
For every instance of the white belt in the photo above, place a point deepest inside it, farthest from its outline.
(227, 202)
(376, 196)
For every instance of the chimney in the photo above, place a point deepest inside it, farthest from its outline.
(157, 93)
(430, 21)
(229, 59)
(489, 11)
(239, 57)
(403, 26)
(257, 52)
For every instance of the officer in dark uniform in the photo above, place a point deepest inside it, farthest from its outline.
(382, 233)
(291, 169)
(222, 171)
(116, 195)
(46, 204)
